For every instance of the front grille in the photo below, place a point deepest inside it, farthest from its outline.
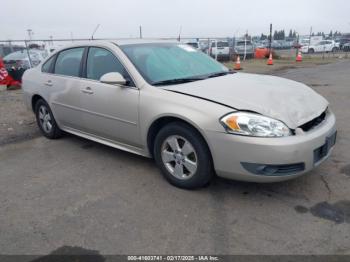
(314, 122)
(274, 170)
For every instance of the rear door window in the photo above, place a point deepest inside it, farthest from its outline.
(68, 62)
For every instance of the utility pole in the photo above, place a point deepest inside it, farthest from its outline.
(28, 53)
(309, 39)
(270, 40)
(140, 31)
(297, 49)
(179, 38)
(245, 45)
(30, 34)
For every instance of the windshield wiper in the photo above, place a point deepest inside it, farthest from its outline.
(220, 74)
(190, 79)
(177, 81)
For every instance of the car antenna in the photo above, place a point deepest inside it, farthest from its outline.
(93, 33)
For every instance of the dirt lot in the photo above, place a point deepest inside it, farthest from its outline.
(76, 193)
(285, 63)
(16, 122)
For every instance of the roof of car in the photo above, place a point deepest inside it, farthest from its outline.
(119, 42)
(142, 41)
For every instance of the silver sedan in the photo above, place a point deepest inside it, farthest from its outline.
(171, 102)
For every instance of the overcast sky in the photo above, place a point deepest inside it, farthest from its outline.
(163, 18)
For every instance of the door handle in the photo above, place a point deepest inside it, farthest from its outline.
(87, 90)
(48, 83)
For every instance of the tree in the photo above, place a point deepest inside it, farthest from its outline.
(263, 37)
(279, 35)
(290, 33)
(275, 35)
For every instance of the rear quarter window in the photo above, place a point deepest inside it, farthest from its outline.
(48, 65)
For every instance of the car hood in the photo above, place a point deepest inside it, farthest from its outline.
(286, 100)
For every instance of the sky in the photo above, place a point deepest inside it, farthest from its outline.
(164, 18)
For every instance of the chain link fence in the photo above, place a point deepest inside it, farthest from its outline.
(19, 55)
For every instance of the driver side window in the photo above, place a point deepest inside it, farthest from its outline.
(101, 61)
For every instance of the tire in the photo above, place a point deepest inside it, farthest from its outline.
(46, 121)
(183, 169)
(334, 49)
(311, 51)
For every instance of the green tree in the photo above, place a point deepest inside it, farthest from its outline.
(290, 33)
(263, 37)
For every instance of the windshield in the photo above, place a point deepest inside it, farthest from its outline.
(195, 45)
(243, 43)
(162, 62)
(22, 55)
(220, 44)
(17, 56)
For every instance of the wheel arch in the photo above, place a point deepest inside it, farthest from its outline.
(162, 121)
(35, 99)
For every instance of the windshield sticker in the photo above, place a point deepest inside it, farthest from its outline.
(187, 48)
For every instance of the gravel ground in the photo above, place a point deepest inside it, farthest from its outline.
(16, 122)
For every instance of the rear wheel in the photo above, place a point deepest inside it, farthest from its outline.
(46, 121)
(311, 51)
(183, 156)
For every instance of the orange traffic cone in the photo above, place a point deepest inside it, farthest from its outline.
(270, 61)
(299, 57)
(238, 63)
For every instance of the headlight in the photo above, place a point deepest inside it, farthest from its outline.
(250, 124)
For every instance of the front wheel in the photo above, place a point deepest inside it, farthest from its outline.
(46, 121)
(183, 156)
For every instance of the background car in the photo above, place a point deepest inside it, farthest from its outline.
(20, 59)
(220, 49)
(301, 43)
(204, 45)
(6, 49)
(343, 41)
(194, 44)
(346, 47)
(17, 62)
(244, 47)
(323, 46)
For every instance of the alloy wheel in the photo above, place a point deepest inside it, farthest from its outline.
(45, 119)
(179, 157)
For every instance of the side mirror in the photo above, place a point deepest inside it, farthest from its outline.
(113, 78)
